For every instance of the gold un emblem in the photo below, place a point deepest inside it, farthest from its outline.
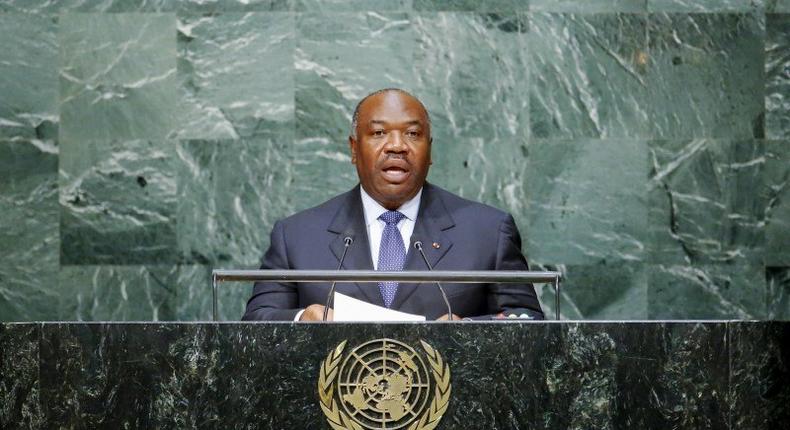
(384, 384)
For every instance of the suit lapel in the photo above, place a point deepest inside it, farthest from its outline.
(433, 220)
(350, 221)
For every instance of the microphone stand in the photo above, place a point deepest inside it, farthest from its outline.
(418, 246)
(348, 240)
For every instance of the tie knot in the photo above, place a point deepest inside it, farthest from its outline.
(392, 217)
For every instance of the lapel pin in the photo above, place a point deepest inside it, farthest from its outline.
(436, 245)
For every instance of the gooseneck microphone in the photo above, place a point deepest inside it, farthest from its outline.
(418, 247)
(347, 241)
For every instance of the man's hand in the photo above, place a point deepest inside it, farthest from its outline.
(316, 313)
(445, 318)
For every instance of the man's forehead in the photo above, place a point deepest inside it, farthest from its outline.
(392, 105)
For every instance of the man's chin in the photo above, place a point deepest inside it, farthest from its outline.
(392, 196)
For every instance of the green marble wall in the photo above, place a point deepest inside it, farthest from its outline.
(643, 146)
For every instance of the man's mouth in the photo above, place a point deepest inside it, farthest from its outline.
(395, 174)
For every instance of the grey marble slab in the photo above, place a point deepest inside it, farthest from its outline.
(29, 238)
(589, 75)
(706, 75)
(118, 202)
(777, 76)
(117, 76)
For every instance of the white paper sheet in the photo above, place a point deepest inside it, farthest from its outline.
(350, 309)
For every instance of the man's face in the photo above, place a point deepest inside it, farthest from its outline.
(392, 150)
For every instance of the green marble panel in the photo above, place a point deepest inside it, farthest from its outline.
(235, 74)
(29, 239)
(706, 203)
(118, 293)
(351, 5)
(778, 280)
(597, 292)
(96, 6)
(470, 69)
(777, 76)
(117, 76)
(231, 193)
(28, 77)
(782, 6)
(339, 59)
(194, 296)
(589, 75)
(777, 214)
(704, 6)
(472, 169)
(118, 202)
(216, 6)
(707, 292)
(115, 6)
(589, 6)
(586, 201)
(472, 5)
(706, 75)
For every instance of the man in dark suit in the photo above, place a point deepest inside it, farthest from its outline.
(392, 208)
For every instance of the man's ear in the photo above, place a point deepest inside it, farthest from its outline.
(430, 152)
(352, 145)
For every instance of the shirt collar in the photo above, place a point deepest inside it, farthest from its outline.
(373, 209)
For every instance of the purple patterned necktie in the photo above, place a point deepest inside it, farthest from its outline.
(392, 253)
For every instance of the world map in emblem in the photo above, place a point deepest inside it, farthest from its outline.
(384, 384)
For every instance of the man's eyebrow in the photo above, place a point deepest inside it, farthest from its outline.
(381, 122)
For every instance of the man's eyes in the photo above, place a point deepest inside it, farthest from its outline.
(409, 133)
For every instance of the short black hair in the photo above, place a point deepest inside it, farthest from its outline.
(355, 117)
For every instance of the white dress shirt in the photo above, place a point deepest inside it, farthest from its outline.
(375, 226)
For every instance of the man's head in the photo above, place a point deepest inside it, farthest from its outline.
(391, 145)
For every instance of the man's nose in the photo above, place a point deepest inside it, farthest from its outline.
(395, 142)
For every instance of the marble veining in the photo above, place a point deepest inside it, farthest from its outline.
(641, 145)
(701, 375)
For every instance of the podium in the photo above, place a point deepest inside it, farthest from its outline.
(504, 375)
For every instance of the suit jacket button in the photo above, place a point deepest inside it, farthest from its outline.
(436, 245)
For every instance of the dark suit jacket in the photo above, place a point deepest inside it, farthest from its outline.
(470, 236)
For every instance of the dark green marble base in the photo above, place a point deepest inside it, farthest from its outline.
(655, 375)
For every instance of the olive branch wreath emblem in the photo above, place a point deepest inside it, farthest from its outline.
(339, 420)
